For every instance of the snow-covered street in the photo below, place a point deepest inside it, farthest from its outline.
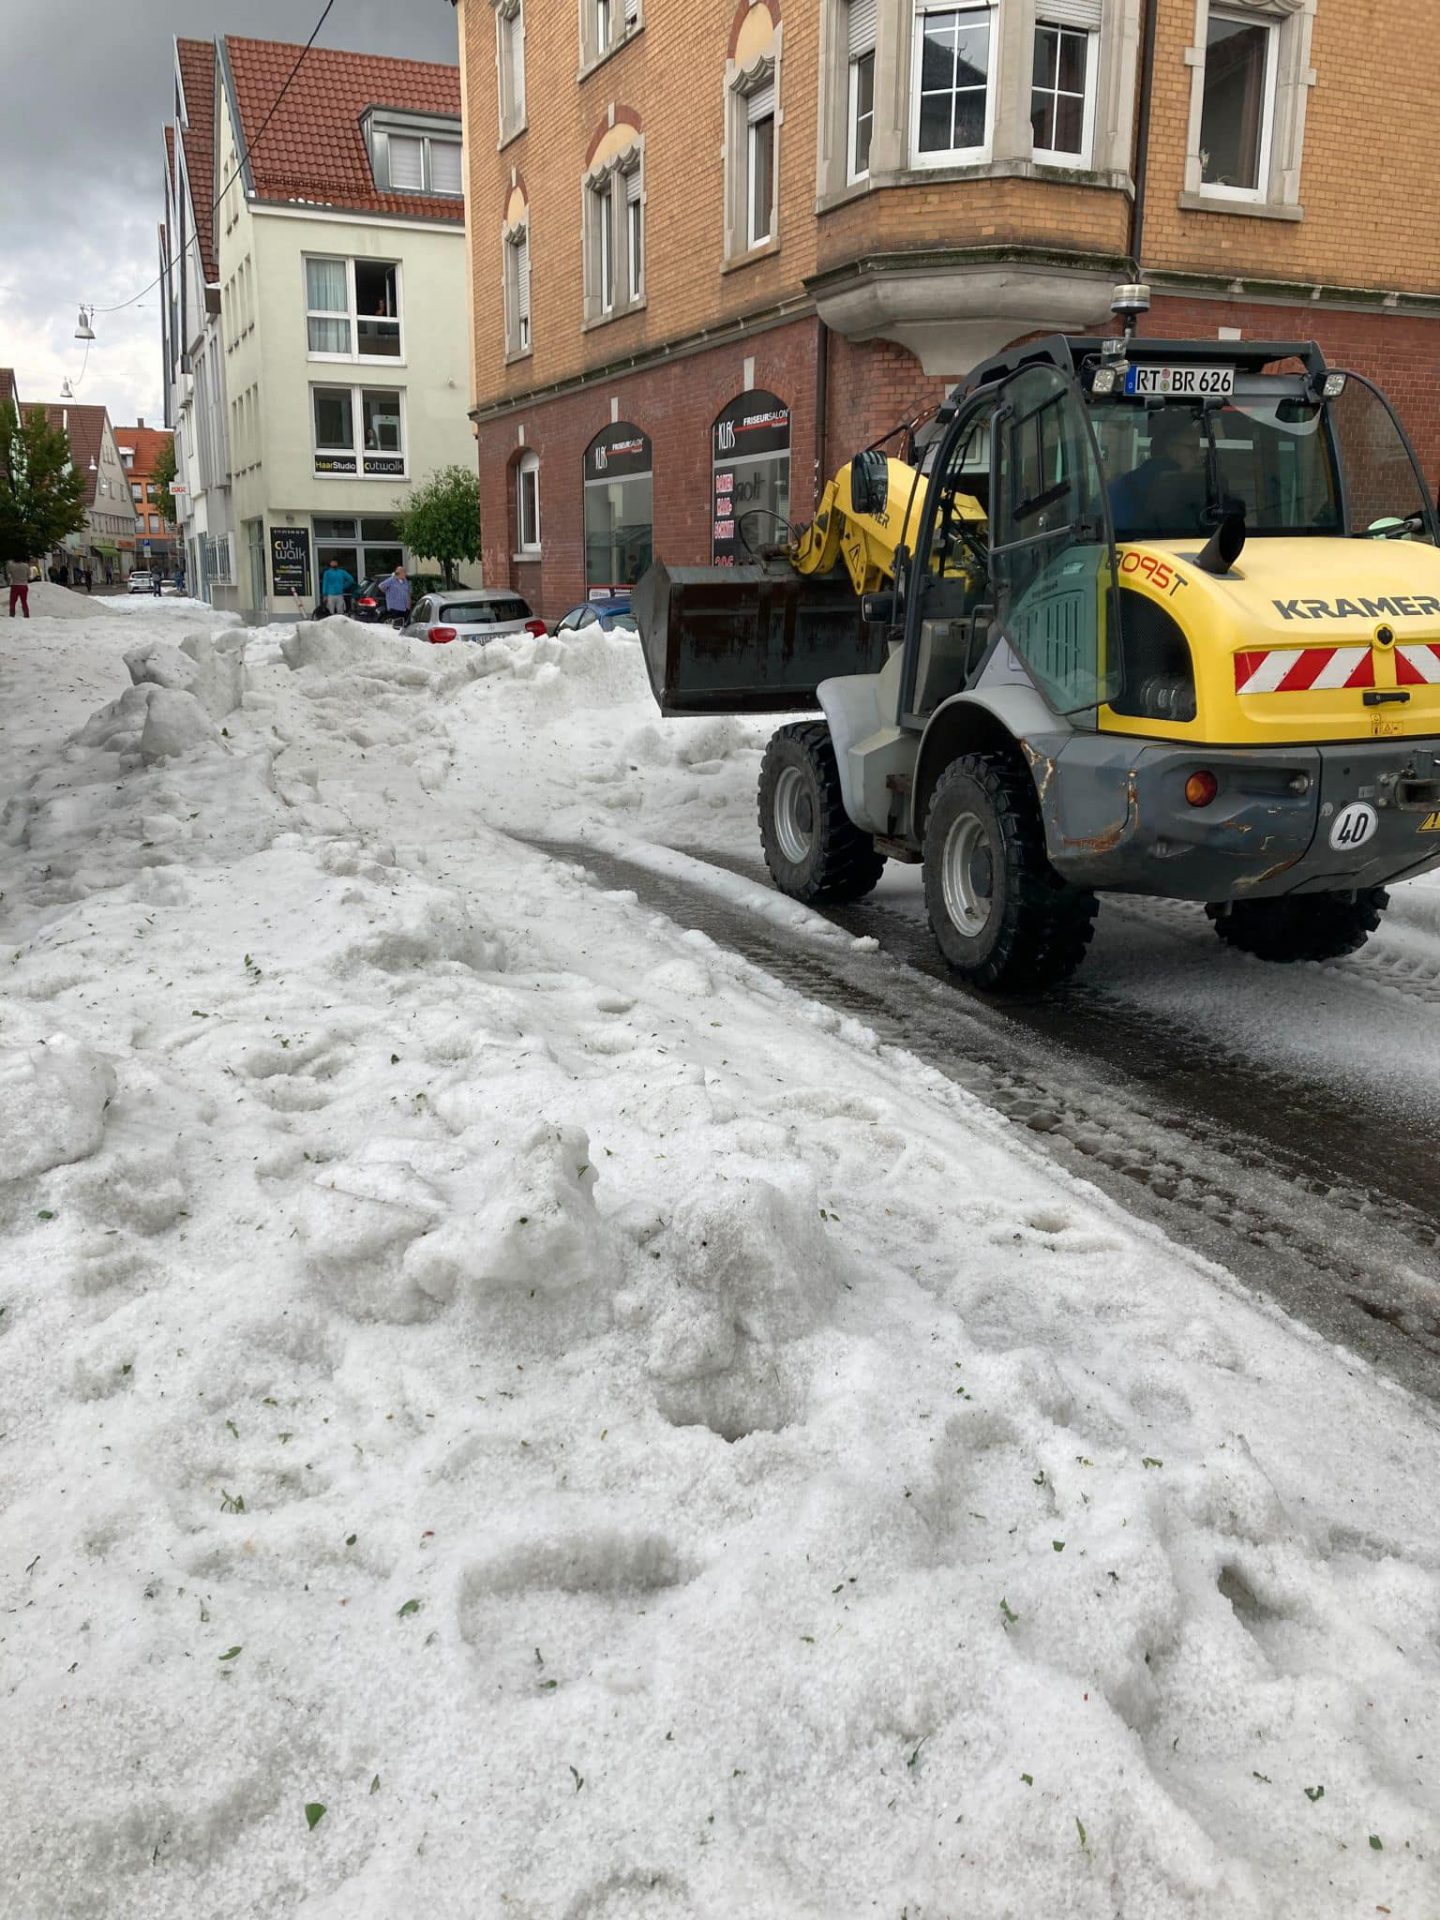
(509, 1408)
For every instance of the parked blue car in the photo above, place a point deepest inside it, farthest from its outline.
(611, 616)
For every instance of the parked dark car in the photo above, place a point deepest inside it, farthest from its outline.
(368, 600)
(611, 616)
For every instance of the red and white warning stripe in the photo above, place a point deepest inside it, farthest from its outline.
(1306, 669)
(1417, 665)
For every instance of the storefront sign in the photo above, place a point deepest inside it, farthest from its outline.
(751, 493)
(386, 465)
(290, 561)
(617, 453)
(335, 463)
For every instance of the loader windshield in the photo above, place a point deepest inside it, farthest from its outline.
(1174, 470)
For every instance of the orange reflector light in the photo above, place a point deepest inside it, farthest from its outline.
(1201, 789)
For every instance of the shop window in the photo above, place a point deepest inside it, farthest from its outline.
(953, 101)
(377, 413)
(527, 504)
(618, 509)
(751, 477)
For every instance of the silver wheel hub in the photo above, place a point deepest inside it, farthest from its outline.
(794, 815)
(967, 875)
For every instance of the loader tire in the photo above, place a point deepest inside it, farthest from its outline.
(1303, 926)
(813, 850)
(1002, 916)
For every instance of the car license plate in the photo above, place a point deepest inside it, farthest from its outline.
(1182, 383)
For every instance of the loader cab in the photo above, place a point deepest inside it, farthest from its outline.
(1036, 569)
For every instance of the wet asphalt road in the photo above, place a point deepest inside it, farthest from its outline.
(1322, 1193)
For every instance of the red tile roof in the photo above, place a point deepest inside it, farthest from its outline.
(146, 444)
(85, 428)
(313, 150)
(197, 78)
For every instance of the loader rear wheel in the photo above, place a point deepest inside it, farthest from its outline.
(1001, 915)
(812, 848)
(1303, 926)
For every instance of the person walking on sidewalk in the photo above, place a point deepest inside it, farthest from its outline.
(17, 572)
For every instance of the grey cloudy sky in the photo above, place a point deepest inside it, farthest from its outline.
(86, 87)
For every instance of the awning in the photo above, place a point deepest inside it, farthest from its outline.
(103, 546)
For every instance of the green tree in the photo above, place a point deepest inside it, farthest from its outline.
(161, 479)
(442, 521)
(42, 497)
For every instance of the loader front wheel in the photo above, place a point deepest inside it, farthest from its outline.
(1001, 915)
(814, 851)
(1303, 926)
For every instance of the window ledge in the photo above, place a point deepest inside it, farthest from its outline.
(507, 135)
(520, 353)
(527, 558)
(843, 196)
(615, 313)
(594, 65)
(1011, 169)
(1248, 209)
(765, 251)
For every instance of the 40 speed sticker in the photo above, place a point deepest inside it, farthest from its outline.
(1354, 826)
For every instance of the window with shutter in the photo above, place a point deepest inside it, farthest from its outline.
(407, 164)
(445, 174)
(862, 27)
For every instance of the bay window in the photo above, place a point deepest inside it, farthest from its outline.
(1063, 80)
(953, 108)
(860, 107)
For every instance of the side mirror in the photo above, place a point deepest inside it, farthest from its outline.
(880, 609)
(869, 482)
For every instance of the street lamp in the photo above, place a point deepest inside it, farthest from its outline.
(83, 328)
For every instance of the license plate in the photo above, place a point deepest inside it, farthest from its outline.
(1182, 383)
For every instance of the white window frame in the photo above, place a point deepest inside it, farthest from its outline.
(612, 205)
(426, 142)
(357, 391)
(353, 314)
(1260, 192)
(519, 330)
(527, 538)
(510, 67)
(633, 180)
(1058, 156)
(605, 26)
(753, 122)
(954, 156)
(854, 172)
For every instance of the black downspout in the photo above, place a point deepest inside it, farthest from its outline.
(1142, 138)
(822, 405)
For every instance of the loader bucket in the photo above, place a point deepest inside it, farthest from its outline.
(756, 639)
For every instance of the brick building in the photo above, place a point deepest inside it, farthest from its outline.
(717, 245)
(140, 448)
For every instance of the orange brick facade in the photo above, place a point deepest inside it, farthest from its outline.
(671, 364)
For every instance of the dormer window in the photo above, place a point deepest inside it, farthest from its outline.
(414, 153)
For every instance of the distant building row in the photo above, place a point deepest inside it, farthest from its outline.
(124, 526)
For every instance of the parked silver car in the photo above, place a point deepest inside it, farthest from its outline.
(471, 613)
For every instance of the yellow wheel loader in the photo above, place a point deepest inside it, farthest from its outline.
(1142, 616)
